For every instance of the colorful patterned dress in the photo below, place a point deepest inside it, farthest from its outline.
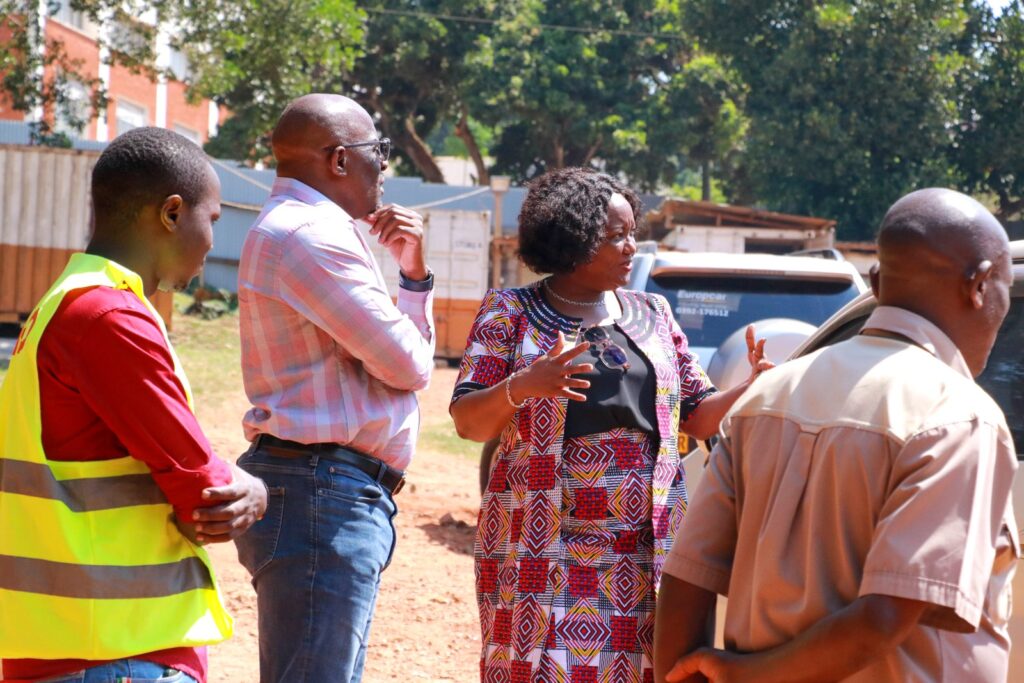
(572, 533)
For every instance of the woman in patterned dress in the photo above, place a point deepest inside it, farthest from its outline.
(586, 489)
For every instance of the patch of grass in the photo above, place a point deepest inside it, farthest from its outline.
(441, 437)
(210, 351)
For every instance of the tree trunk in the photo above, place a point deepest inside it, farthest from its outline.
(705, 180)
(559, 158)
(592, 151)
(403, 135)
(417, 151)
(463, 132)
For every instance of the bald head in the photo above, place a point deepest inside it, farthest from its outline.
(322, 141)
(947, 228)
(312, 122)
(945, 257)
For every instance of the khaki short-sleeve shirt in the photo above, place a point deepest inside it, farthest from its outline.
(875, 466)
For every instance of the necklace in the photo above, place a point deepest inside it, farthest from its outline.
(588, 304)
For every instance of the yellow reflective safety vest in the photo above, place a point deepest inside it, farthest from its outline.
(92, 565)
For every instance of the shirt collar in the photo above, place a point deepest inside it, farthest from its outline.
(922, 332)
(296, 189)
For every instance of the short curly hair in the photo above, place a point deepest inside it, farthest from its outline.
(143, 167)
(563, 219)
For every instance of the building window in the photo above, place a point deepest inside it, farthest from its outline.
(129, 116)
(72, 115)
(70, 17)
(129, 36)
(189, 133)
(179, 65)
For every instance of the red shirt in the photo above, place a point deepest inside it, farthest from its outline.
(107, 389)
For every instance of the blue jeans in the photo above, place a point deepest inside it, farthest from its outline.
(137, 670)
(316, 559)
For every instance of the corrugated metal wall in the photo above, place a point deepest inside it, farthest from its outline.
(44, 218)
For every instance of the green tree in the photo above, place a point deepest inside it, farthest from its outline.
(255, 56)
(989, 148)
(696, 121)
(571, 82)
(850, 103)
(38, 74)
(415, 72)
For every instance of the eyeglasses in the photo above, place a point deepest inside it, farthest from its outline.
(608, 352)
(383, 146)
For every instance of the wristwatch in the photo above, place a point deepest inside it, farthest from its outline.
(424, 285)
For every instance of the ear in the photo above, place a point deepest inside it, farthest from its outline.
(170, 210)
(337, 161)
(976, 284)
(874, 279)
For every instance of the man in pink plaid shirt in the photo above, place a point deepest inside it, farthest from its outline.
(330, 365)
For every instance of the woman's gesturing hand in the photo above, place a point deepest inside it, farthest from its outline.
(551, 375)
(755, 354)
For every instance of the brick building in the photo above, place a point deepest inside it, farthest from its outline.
(134, 100)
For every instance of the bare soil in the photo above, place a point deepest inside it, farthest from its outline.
(425, 628)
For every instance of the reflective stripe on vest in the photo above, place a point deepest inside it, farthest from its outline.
(79, 495)
(102, 582)
(92, 565)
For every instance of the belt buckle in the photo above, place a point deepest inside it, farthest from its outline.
(399, 486)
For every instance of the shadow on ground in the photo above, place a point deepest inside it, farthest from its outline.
(452, 533)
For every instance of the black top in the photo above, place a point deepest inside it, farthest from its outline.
(615, 399)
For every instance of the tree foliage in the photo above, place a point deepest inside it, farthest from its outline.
(569, 82)
(255, 56)
(38, 73)
(989, 151)
(850, 103)
(832, 108)
(696, 120)
(415, 71)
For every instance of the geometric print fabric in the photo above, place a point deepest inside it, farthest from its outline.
(601, 596)
(572, 532)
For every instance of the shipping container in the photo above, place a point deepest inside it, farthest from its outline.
(45, 214)
(458, 247)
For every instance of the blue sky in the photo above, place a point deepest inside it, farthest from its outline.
(998, 4)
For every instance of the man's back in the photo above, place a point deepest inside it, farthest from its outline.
(870, 467)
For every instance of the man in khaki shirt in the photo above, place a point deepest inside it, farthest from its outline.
(857, 509)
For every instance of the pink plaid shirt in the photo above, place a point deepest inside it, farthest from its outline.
(327, 356)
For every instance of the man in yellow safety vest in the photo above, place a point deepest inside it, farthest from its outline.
(108, 487)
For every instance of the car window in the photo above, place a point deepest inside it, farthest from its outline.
(1003, 377)
(710, 308)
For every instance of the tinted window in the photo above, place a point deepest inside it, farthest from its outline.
(710, 308)
(1004, 375)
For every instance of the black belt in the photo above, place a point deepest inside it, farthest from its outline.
(388, 477)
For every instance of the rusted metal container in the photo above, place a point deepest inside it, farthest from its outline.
(45, 214)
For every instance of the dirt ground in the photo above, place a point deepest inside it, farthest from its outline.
(425, 628)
